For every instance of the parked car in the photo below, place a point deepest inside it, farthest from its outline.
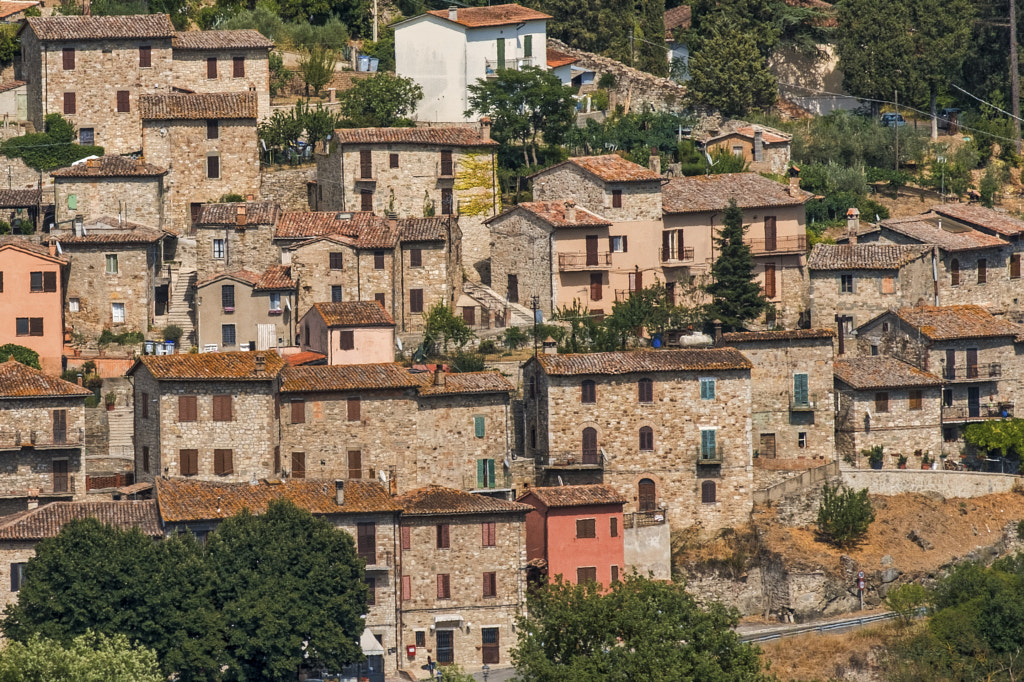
(892, 120)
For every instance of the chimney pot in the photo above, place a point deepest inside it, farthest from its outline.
(260, 362)
(453, 14)
(339, 493)
(852, 224)
(250, 197)
(439, 378)
(240, 215)
(485, 128)
(52, 248)
(655, 161)
(718, 332)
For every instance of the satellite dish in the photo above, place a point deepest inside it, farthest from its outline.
(383, 477)
(560, 480)
(398, 342)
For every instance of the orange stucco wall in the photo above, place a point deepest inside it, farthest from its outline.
(17, 300)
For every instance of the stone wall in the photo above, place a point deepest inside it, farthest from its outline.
(521, 247)
(97, 290)
(190, 71)
(900, 431)
(12, 552)
(640, 200)
(433, 277)
(648, 549)
(945, 483)
(289, 188)
(20, 176)
(251, 248)
(138, 199)
(913, 282)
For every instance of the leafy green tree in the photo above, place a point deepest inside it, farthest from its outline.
(724, 161)
(384, 101)
(515, 338)
(317, 64)
(524, 104)
(25, 356)
(318, 123)
(584, 330)
(10, 43)
(279, 75)
(1004, 437)
(996, 175)
(729, 73)
(876, 50)
(648, 311)
(906, 601)
(641, 629)
(48, 150)
(90, 657)
(383, 49)
(282, 131)
(844, 515)
(441, 324)
(735, 295)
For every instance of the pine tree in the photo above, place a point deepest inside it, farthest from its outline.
(736, 297)
(730, 73)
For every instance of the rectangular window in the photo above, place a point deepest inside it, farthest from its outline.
(211, 68)
(406, 537)
(488, 531)
(617, 244)
(145, 56)
(336, 293)
(616, 198)
(490, 584)
(416, 300)
(145, 458)
(213, 167)
(485, 473)
(354, 411)
(393, 160)
(1015, 266)
(222, 408)
(222, 462)
(227, 334)
(60, 476)
(586, 528)
(447, 167)
(188, 462)
(415, 258)
(2, 283)
(218, 249)
(645, 390)
(982, 271)
(378, 260)
(86, 136)
(298, 465)
(478, 426)
(123, 102)
(348, 339)
(74, 305)
(336, 260)
(275, 302)
(846, 284)
(17, 576)
(366, 540)
(355, 464)
(801, 439)
(72, 202)
(888, 284)
(366, 200)
(117, 313)
(227, 296)
(915, 399)
(615, 574)
(21, 326)
(447, 202)
(881, 401)
(35, 281)
(60, 426)
(490, 648)
(708, 443)
(298, 412)
(212, 129)
(69, 58)
(277, 459)
(596, 286)
(613, 527)
(187, 408)
(50, 281)
(35, 326)
(407, 595)
(586, 574)
(800, 395)
(443, 536)
(70, 103)
(238, 67)
(707, 389)
(769, 280)
(111, 261)
(444, 587)
(365, 164)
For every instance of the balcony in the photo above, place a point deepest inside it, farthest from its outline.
(644, 518)
(502, 481)
(709, 456)
(41, 440)
(574, 460)
(969, 413)
(809, 403)
(989, 371)
(674, 255)
(492, 66)
(790, 244)
(584, 261)
(376, 561)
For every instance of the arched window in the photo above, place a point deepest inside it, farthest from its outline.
(646, 438)
(645, 391)
(590, 446)
(954, 272)
(588, 391)
(707, 492)
(647, 495)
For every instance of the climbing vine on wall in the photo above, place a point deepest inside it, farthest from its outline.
(476, 172)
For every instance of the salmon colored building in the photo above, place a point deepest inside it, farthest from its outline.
(349, 333)
(32, 279)
(575, 531)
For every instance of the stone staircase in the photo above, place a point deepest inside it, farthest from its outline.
(518, 315)
(120, 429)
(180, 306)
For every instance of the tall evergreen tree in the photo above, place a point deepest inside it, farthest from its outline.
(942, 39)
(735, 297)
(730, 73)
(876, 48)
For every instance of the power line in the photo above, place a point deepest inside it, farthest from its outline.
(987, 103)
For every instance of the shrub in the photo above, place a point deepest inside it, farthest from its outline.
(844, 515)
(906, 600)
(606, 81)
(173, 332)
(230, 198)
(515, 338)
(487, 347)
(92, 401)
(52, 149)
(25, 356)
(466, 362)
(108, 337)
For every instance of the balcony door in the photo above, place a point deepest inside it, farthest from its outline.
(647, 495)
(972, 363)
(590, 446)
(770, 233)
(592, 250)
(60, 476)
(973, 401)
(60, 427)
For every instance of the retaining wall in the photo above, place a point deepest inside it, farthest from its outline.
(945, 483)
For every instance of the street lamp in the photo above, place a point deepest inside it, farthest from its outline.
(486, 670)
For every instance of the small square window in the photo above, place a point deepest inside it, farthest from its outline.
(336, 259)
(707, 389)
(73, 305)
(846, 284)
(117, 313)
(86, 136)
(618, 244)
(218, 249)
(801, 439)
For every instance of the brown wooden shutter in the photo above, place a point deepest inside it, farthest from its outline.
(211, 67)
(348, 339)
(366, 542)
(447, 202)
(596, 289)
(277, 459)
(378, 260)
(490, 584)
(238, 67)
(708, 492)
(68, 55)
(446, 162)
(415, 258)
(223, 461)
(616, 198)
(881, 402)
(222, 408)
(592, 249)
(770, 233)
(586, 574)
(187, 409)
(647, 495)
(613, 527)
(145, 405)
(972, 363)
(487, 534)
(188, 462)
(145, 458)
(35, 326)
(213, 167)
(469, 315)
(145, 56)
(355, 464)
(586, 528)
(406, 588)
(366, 200)
(212, 129)
(365, 164)
(915, 399)
(70, 103)
(406, 537)
(982, 271)
(666, 245)
(353, 410)
(298, 412)
(443, 538)
(416, 300)
(60, 426)
(49, 281)
(298, 465)
(123, 101)
(1015, 266)
(769, 280)
(60, 476)
(444, 590)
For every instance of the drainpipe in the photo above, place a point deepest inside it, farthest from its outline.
(341, 155)
(935, 273)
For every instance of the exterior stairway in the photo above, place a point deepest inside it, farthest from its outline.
(180, 308)
(518, 315)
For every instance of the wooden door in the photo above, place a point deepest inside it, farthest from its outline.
(60, 476)
(647, 497)
(590, 455)
(767, 445)
(592, 250)
(60, 427)
(972, 363)
(298, 465)
(770, 234)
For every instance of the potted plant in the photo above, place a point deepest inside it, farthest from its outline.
(901, 461)
(926, 462)
(110, 399)
(874, 455)
(173, 333)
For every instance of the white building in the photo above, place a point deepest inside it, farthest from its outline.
(445, 51)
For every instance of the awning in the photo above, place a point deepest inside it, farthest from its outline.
(370, 645)
(448, 618)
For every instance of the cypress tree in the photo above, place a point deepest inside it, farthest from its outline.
(735, 296)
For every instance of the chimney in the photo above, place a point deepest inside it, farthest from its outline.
(453, 14)
(260, 361)
(240, 215)
(758, 145)
(852, 224)
(485, 128)
(718, 332)
(392, 224)
(92, 163)
(570, 211)
(439, 376)
(250, 197)
(33, 493)
(550, 346)
(53, 248)
(339, 493)
(79, 379)
(794, 181)
(140, 162)
(655, 164)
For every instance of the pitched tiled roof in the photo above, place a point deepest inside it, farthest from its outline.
(872, 256)
(435, 500)
(236, 366)
(951, 236)
(354, 314)
(247, 276)
(703, 193)
(677, 17)
(256, 213)
(182, 500)
(240, 39)
(22, 244)
(443, 136)
(388, 375)
(365, 229)
(881, 371)
(558, 58)
(466, 382)
(48, 520)
(575, 495)
(109, 167)
(195, 106)
(423, 229)
(106, 230)
(101, 28)
(782, 335)
(306, 357)
(21, 381)
(977, 215)
(276, 277)
(553, 213)
(626, 362)
(19, 198)
(9, 8)
(957, 322)
(495, 15)
(12, 85)
(608, 168)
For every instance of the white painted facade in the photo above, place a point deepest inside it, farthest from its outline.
(445, 57)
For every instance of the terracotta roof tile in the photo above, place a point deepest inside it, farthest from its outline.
(236, 366)
(743, 129)
(276, 277)
(313, 378)
(12, 85)
(182, 500)
(575, 495)
(9, 8)
(677, 17)
(189, 107)
(557, 58)
(48, 520)
(101, 28)
(256, 213)
(423, 229)
(495, 15)
(703, 193)
(466, 382)
(248, 276)
(731, 338)
(306, 357)
(608, 168)
(435, 500)
(354, 314)
(871, 256)
(109, 167)
(366, 230)
(240, 39)
(21, 381)
(627, 362)
(881, 371)
(442, 136)
(979, 216)
(106, 230)
(553, 213)
(951, 236)
(22, 244)
(19, 198)
(957, 322)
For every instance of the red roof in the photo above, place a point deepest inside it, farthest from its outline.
(435, 500)
(48, 520)
(276, 277)
(575, 495)
(609, 168)
(677, 17)
(21, 381)
(306, 357)
(442, 136)
(235, 366)
(354, 314)
(558, 58)
(495, 15)
(705, 193)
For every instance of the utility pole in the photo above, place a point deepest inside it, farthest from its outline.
(896, 123)
(1014, 75)
(374, 20)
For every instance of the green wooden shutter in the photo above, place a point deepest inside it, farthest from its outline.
(478, 423)
(527, 46)
(707, 389)
(501, 53)
(490, 473)
(800, 389)
(72, 202)
(707, 443)
(480, 470)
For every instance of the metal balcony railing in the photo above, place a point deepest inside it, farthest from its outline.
(675, 255)
(584, 261)
(575, 459)
(709, 455)
(979, 372)
(16, 439)
(644, 518)
(787, 244)
(963, 412)
(809, 403)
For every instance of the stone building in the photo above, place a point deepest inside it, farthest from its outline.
(609, 185)
(213, 416)
(208, 140)
(882, 401)
(669, 430)
(363, 509)
(792, 407)
(42, 434)
(19, 534)
(414, 173)
(224, 61)
(463, 577)
(116, 278)
(352, 333)
(766, 150)
(18, 206)
(132, 190)
(235, 236)
(245, 310)
(414, 427)
(32, 283)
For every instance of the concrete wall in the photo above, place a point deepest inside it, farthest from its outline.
(648, 549)
(946, 483)
(252, 308)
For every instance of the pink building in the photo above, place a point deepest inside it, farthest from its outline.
(349, 333)
(32, 300)
(576, 530)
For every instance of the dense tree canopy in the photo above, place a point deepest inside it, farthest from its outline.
(25, 356)
(736, 297)
(89, 658)
(730, 74)
(383, 101)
